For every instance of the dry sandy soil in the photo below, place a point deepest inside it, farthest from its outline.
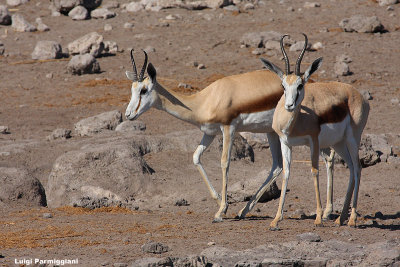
(33, 106)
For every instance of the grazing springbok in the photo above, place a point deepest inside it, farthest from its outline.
(318, 115)
(243, 102)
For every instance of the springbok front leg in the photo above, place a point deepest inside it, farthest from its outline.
(204, 144)
(287, 160)
(228, 132)
(328, 156)
(276, 169)
(314, 147)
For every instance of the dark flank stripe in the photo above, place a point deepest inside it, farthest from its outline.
(336, 113)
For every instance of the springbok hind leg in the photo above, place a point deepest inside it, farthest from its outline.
(328, 156)
(315, 175)
(205, 143)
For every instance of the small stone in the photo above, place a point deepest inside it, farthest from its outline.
(310, 237)
(83, 64)
(19, 24)
(110, 47)
(184, 85)
(248, 6)
(311, 5)
(41, 26)
(134, 7)
(394, 101)
(59, 134)
(201, 66)
(344, 58)
(298, 46)
(149, 49)
(258, 51)
(231, 8)
(182, 202)
(49, 75)
(298, 214)
(47, 215)
(211, 243)
(387, 2)
(128, 25)
(342, 69)
(4, 130)
(317, 46)
(390, 8)
(108, 27)
(290, 9)
(120, 264)
(155, 247)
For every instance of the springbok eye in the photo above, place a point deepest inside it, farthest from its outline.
(300, 87)
(143, 91)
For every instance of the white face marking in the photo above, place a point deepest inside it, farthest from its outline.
(294, 91)
(142, 99)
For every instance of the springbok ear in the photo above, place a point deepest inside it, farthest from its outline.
(130, 75)
(272, 67)
(152, 72)
(312, 68)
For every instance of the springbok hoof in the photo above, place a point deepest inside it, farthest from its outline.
(217, 220)
(327, 217)
(275, 228)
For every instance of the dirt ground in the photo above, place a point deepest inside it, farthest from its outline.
(32, 106)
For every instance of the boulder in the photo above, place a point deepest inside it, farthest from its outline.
(96, 124)
(155, 247)
(83, 64)
(5, 17)
(240, 148)
(102, 13)
(110, 47)
(78, 13)
(378, 143)
(20, 187)
(19, 24)
(362, 24)
(91, 43)
(112, 170)
(47, 50)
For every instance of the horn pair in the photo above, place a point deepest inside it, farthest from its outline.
(141, 76)
(298, 62)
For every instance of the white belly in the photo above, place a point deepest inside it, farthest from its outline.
(332, 133)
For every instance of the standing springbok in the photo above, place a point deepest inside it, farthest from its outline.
(243, 102)
(318, 115)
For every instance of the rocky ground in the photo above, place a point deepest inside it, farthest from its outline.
(78, 182)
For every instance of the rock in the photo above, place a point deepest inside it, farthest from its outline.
(378, 143)
(131, 126)
(359, 23)
(91, 43)
(344, 58)
(387, 2)
(155, 247)
(134, 7)
(5, 17)
(78, 13)
(4, 130)
(41, 26)
(47, 50)
(317, 46)
(100, 202)
(128, 25)
(341, 69)
(19, 24)
(298, 214)
(298, 46)
(111, 4)
(240, 148)
(59, 134)
(107, 28)
(218, 3)
(259, 39)
(201, 66)
(20, 187)
(386, 253)
(231, 8)
(65, 6)
(47, 215)
(96, 124)
(248, 6)
(2, 49)
(243, 190)
(309, 237)
(102, 13)
(110, 47)
(83, 64)
(311, 4)
(109, 172)
(258, 51)
(16, 2)
(182, 202)
(394, 101)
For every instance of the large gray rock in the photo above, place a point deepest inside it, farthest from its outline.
(5, 17)
(47, 50)
(96, 124)
(243, 190)
(20, 187)
(91, 43)
(19, 24)
(259, 39)
(240, 148)
(115, 171)
(102, 13)
(378, 144)
(134, 7)
(359, 23)
(155, 248)
(65, 6)
(83, 64)
(78, 13)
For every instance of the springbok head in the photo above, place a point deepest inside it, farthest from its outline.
(143, 95)
(293, 84)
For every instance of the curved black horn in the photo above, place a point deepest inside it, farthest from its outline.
(287, 65)
(144, 66)
(298, 62)
(134, 67)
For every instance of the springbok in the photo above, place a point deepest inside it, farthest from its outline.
(243, 102)
(318, 115)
